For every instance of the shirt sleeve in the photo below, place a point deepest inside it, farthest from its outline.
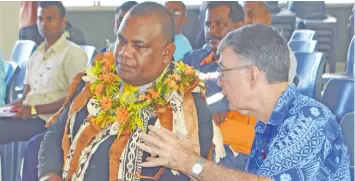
(76, 62)
(50, 157)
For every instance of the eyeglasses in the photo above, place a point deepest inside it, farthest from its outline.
(176, 13)
(221, 71)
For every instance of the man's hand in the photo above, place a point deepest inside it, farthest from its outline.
(219, 118)
(24, 112)
(172, 151)
(17, 104)
(51, 177)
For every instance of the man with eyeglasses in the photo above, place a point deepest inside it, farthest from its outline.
(296, 137)
(235, 132)
(178, 10)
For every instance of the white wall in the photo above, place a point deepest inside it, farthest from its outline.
(9, 26)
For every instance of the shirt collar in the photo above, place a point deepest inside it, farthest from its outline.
(282, 106)
(56, 47)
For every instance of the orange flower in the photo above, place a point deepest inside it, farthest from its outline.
(106, 103)
(149, 98)
(189, 70)
(172, 84)
(107, 78)
(99, 88)
(175, 87)
(155, 95)
(142, 97)
(177, 77)
(109, 59)
(122, 115)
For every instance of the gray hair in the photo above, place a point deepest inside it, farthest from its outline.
(262, 46)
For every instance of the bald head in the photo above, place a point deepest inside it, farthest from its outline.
(157, 13)
(257, 12)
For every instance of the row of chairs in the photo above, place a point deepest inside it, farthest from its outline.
(308, 15)
(310, 63)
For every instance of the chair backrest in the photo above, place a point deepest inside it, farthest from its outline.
(303, 35)
(338, 96)
(310, 68)
(11, 71)
(347, 126)
(308, 9)
(350, 58)
(303, 46)
(23, 50)
(90, 52)
(273, 6)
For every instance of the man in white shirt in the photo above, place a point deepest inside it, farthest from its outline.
(49, 73)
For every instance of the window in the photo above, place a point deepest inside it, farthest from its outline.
(72, 3)
(117, 3)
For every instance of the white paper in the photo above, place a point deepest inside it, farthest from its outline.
(5, 112)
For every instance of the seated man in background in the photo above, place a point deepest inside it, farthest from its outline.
(120, 12)
(258, 12)
(237, 130)
(94, 136)
(50, 71)
(178, 10)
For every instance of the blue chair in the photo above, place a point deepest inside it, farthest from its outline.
(285, 22)
(22, 50)
(21, 54)
(11, 71)
(349, 72)
(273, 6)
(90, 52)
(338, 96)
(309, 71)
(303, 35)
(303, 46)
(347, 126)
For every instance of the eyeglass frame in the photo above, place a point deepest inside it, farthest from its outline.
(221, 71)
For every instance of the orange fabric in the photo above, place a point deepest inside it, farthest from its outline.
(116, 150)
(238, 132)
(28, 13)
(207, 60)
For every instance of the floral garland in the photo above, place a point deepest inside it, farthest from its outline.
(124, 107)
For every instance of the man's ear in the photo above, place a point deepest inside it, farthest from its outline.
(64, 23)
(268, 18)
(168, 52)
(253, 75)
(184, 20)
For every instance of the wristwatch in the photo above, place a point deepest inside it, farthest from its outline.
(198, 167)
(33, 111)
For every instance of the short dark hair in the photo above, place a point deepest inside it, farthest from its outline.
(58, 4)
(126, 6)
(236, 11)
(158, 11)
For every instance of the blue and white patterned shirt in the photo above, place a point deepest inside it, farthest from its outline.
(301, 141)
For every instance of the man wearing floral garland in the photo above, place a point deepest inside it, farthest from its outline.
(95, 134)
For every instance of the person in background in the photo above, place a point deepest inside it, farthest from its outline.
(258, 12)
(120, 12)
(178, 10)
(2, 81)
(297, 138)
(28, 19)
(50, 71)
(233, 145)
(29, 29)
